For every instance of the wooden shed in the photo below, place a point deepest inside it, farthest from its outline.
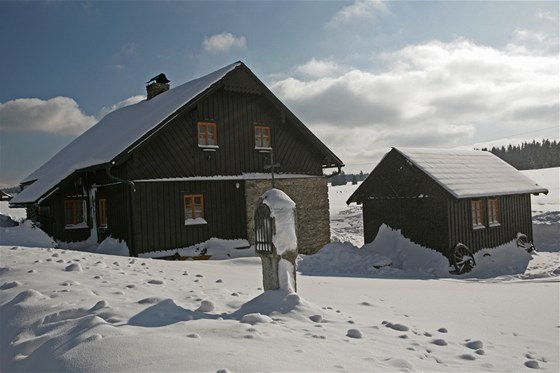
(186, 165)
(453, 201)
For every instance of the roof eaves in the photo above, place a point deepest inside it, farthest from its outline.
(357, 196)
(336, 162)
(185, 107)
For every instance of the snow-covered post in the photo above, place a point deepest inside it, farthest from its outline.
(279, 233)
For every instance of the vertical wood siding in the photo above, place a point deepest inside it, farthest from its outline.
(440, 221)
(515, 216)
(422, 220)
(117, 211)
(54, 224)
(159, 221)
(174, 151)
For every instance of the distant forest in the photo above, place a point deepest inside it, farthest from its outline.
(530, 155)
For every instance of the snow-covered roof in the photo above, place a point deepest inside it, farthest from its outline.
(471, 173)
(114, 134)
(462, 173)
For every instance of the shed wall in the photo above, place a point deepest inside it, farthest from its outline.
(515, 216)
(422, 220)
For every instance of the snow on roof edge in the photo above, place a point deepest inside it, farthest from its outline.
(406, 152)
(55, 170)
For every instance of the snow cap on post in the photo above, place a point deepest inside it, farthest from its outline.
(282, 208)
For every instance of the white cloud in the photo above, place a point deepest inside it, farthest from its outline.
(434, 94)
(547, 15)
(360, 9)
(224, 42)
(532, 42)
(58, 115)
(319, 68)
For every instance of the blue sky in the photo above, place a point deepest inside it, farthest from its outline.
(363, 75)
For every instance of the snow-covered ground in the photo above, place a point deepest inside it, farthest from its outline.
(63, 310)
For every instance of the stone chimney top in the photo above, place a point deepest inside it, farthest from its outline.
(158, 84)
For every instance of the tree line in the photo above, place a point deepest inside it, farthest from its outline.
(530, 155)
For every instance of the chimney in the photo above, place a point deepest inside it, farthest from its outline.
(158, 84)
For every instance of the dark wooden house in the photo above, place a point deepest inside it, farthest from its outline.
(453, 201)
(183, 166)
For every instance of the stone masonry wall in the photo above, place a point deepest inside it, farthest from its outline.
(312, 209)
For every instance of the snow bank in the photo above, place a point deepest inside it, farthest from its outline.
(17, 214)
(391, 255)
(113, 246)
(25, 234)
(215, 248)
(68, 311)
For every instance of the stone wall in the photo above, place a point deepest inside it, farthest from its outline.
(312, 207)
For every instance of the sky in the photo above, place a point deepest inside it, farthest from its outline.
(364, 76)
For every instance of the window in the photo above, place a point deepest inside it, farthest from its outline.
(262, 137)
(493, 211)
(207, 135)
(102, 211)
(74, 213)
(194, 209)
(477, 212)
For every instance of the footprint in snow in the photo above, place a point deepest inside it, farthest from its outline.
(354, 333)
(255, 318)
(10, 285)
(439, 342)
(156, 282)
(193, 335)
(398, 327)
(316, 318)
(474, 345)
(99, 305)
(152, 300)
(533, 364)
(467, 357)
(206, 306)
(442, 330)
(74, 267)
(93, 337)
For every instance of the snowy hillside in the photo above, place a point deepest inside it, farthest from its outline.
(63, 310)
